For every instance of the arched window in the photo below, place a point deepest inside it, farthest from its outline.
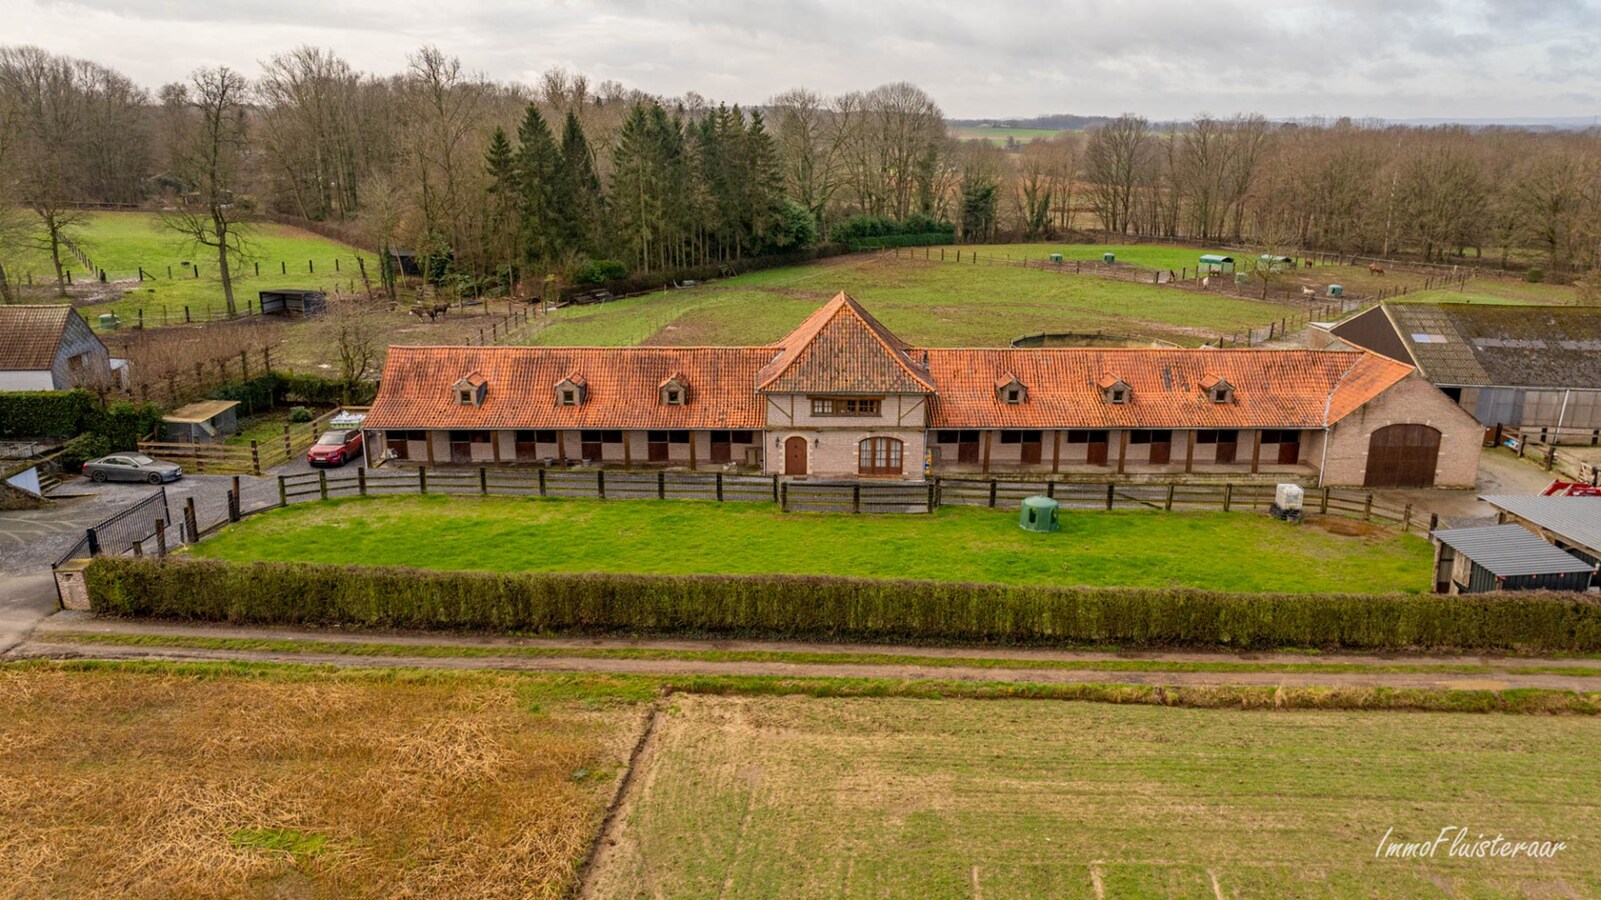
(879, 456)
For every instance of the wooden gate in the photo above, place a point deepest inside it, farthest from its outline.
(1402, 456)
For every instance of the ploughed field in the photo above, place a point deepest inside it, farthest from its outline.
(808, 797)
(1234, 551)
(212, 781)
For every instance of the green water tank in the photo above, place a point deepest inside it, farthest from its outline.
(1038, 514)
(1336, 290)
(1056, 257)
(1108, 258)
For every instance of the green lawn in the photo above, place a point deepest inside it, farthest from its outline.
(123, 242)
(1223, 551)
(929, 303)
(809, 797)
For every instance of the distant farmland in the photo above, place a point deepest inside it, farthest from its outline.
(999, 135)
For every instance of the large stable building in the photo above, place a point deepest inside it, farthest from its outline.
(841, 396)
(1528, 366)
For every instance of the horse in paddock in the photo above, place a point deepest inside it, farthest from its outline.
(441, 308)
(1375, 269)
(1308, 292)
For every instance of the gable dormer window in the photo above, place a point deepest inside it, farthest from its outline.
(1114, 389)
(674, 391)
(1009, 390)
(471, 390)
(1218, 390)
(570, 390)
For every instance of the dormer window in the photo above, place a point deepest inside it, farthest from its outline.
(570, 390)
(1217, 389)
(1115, 389)
(471, 390)
(674, 391)
(1009, 390)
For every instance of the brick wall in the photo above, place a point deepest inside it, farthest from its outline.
(1414, 401)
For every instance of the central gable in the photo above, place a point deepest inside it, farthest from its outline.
(842, 349)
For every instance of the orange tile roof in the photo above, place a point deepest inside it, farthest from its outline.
(620, 387)
(841, 348)
(1272, 388)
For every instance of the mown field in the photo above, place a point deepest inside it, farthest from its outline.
(998, 135)
(923, 302)
(123, 242)
(205, 781)
(1242, 551)
(806, 797)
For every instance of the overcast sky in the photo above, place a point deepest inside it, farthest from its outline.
(979, 58)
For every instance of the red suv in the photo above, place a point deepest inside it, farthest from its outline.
(335, 448)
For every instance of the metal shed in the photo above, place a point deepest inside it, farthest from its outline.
(1216, 264)
(201, 423)
(291, 302)
(1503, 558)
(1276, 263)
(1572, 524)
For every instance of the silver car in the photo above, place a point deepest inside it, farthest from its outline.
(131, 467)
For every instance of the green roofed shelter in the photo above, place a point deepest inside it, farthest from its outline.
(1216, 264)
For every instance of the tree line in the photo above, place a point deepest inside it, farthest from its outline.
(496, 185)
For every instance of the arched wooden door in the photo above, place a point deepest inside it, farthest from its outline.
(795, 456)
(1402, 456)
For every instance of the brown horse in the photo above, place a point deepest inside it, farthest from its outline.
(1375, 269)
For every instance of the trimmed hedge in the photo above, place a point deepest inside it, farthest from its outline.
(57, 414)
(861, 609)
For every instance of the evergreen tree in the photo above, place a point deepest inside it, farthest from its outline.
(501, 213)
(635, 199)
(537, 164)
(578, 201)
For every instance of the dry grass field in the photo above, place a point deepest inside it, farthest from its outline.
(804, 797)
(208, 782)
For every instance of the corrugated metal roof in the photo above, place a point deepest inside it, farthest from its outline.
(196, 413)
(1510, 550)
(1576, 519)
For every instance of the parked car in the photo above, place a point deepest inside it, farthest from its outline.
(131, 467)
(335, 448)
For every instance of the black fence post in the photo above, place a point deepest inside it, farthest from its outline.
(1228, 496)
(1110, 496)
(483, 480)
(361, 480)
(1367, 509)
(783, 496)
(856, 497)
(283, 490)
(661, 486)
(992, 493)
(775, 488)
(600, 483)
(322, 483)
(94, 542)
(1050, 488)
(719, 487)
(422, 479)
(542, 482)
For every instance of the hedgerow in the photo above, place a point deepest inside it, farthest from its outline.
(841, 608)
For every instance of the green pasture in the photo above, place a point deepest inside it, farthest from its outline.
(1150, 549)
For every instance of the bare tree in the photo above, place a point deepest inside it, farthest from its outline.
(207, 121)
(358, 333)
(1116, 165)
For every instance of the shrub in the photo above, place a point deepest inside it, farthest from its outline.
(1534, 276)
(125, 424)
(300, 414)
(837, 608)
(598, 271)
(81, 449)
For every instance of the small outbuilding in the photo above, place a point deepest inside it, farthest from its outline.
(206, 422)
(1503, 558)
(1216, 264)
(1038, 514)
(306, 304)
(1275, 263)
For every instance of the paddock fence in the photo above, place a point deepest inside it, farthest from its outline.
(1540, 445)
(843, 496)
(130, 530)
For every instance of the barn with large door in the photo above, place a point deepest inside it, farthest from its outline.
(1403, 456)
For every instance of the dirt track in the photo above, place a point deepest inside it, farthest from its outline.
(1058, 667)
